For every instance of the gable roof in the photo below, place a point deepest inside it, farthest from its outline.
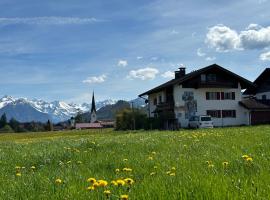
(246, 83)
(264, 75)
(253, 104)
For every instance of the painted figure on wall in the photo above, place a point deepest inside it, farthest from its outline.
(190, 104)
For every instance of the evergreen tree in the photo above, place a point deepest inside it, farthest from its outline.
(14, 124)
(3, 120)
(49, 126)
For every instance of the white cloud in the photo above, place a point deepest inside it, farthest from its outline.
(168, 74)
(122, 63)
(265, 56)
(154, 58)
(210, 58)
(48, 20)
(147, 73)
(174, 32)
(223, 38)
(95, 79)
(139, 57)
(200, 53)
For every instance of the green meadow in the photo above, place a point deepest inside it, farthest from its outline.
(221, 163)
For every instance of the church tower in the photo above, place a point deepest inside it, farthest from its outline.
(93, 110)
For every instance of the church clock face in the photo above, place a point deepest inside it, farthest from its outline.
(94, 115)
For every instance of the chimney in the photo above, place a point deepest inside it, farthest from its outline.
(180, 73)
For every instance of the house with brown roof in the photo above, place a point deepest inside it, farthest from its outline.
(212, 90)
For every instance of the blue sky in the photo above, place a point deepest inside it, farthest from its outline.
(62, 50)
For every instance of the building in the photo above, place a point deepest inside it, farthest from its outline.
(257, 100)
(212, 90)
(94, 123)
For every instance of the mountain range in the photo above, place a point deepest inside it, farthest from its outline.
(25, 110)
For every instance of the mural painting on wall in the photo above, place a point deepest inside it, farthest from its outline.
(190, 104)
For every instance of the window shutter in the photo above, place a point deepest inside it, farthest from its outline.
(207, 95)
(233, 95)
(218, 95)
(222, 95)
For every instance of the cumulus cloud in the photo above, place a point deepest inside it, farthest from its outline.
(168, 74)
(122, 63)
(147, 73)
(200, 53)
(139, 57)
(48, 20)
(95, 79)
(223, 38)
(210, 58)
(265, 56)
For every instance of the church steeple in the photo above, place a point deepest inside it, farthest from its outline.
(93, 110)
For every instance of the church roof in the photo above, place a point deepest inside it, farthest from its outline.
(93, 107)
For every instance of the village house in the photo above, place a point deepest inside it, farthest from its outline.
(212, 90)
(257, 99)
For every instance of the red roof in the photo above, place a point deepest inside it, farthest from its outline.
(88, 125)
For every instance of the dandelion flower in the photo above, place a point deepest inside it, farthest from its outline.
(114, 183)
(225, 164)
(173, 168)
(152, 173)
(127, 169)
(172, 174)
(58, 181)
(124, 197)
(95, 185)
(117, 170)
(18, 174)
(150, 158)
(249, 159)
(120, 182)
(33, 167)
(245, 156)
(107, 192)
(91, 180)
(17, 167)
(90, 188)
(154, 153)
(68, 162)
(210, 166)
(129, 181)
(102, 183)
(155, 167)
(125, 159)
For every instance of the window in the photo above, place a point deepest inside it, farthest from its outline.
(212, 96)
(228, 95)
(211, 77)
(264, 97)
(228, 113)
(214, 113)
(206, 119)
(203, 77)
(155, 101)
(160, 99)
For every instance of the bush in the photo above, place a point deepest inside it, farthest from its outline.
(129, 119)
(6, 129)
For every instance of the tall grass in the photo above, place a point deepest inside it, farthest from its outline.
(188, 164)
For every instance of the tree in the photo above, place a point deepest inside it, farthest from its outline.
(14, 124)
(79, 118)
(49, 126)
(131, 119)
(3, 120)
(6, 129)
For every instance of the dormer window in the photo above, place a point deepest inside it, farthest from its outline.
(211, 77)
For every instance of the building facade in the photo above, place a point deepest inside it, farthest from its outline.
(212, 90)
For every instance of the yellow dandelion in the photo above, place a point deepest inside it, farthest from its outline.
(95, 185)
(117, 170)
(168, 172)
(225, 164)
(124, 197)
(17, 167)
(114, 183)
(208, 162)
(68, 162)
(33, 167)
(19, 174)
(154, 153)
(107, 192)
(245, 156)
(91, 180)
(125, 159)
(90, 188)
(102, 183)
(210, 166)
(120, 182)
(155, 167)
(79, 162)
(150, 158)
(152, 173)
(129, 181)
(249, 159)
(172, 174)
(58, 181)
(127, 169)
(173, 168)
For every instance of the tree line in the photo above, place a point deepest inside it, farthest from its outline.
(14, 126)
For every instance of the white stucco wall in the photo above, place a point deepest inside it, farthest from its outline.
(259, 95)
(151, 101)
(242, 115)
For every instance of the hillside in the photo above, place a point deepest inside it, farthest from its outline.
(224, 163)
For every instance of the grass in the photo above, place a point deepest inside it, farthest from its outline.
(198, 157)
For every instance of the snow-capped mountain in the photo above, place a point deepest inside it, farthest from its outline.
(56, 111)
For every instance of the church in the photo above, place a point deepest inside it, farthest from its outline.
(93, 123)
